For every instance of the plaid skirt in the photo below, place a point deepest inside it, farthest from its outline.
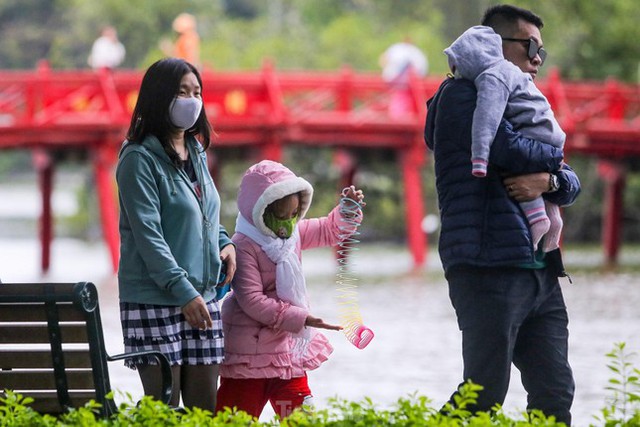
(165, 329)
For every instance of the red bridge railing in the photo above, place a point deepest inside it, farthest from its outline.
(45, 110)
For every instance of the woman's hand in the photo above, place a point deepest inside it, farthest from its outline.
(197, 314)
(319, 323)
(228, 257)
(524, 188)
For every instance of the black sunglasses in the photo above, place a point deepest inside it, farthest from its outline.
(532, 48)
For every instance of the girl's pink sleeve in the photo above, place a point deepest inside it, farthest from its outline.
(249, 292)
(328, 230)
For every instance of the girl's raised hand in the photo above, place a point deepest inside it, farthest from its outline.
(354, 194)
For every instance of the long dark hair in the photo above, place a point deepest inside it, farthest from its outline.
(160, 85)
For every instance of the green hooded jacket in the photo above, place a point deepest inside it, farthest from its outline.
(170, 239)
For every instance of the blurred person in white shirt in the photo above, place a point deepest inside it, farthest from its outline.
(107, 51)
(398, 62)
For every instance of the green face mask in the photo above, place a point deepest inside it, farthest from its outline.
(282, 227)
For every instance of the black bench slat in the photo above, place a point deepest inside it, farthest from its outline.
(39, 333)
(43, 379)
(38, 292)
(34, 312)
(41, 358)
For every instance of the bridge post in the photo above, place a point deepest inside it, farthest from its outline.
(411, 161)
(104, 159)
(272, 148)
(44, 165)
(614, 175)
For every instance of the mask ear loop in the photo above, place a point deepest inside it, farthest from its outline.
(349, 313)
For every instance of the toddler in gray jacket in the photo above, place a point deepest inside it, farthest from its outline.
(504, 90)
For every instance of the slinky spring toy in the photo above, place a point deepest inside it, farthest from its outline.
(350, 319)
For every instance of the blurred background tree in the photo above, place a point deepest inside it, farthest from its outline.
(587, 40)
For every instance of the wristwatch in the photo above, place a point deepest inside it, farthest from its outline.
(554, 184)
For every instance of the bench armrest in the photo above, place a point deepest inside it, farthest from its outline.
(165, 368)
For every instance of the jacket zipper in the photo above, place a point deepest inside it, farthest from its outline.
(206, 224)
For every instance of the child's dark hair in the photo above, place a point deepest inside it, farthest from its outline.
(504, 19)
(271, 206)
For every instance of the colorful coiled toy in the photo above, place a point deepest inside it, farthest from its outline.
(350, 319)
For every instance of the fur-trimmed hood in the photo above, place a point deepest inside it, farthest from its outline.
(263, 184)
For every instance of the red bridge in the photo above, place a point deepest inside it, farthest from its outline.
(46, 110)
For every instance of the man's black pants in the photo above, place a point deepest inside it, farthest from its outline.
(514, 315)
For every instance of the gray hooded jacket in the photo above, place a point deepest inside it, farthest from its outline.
(503, 90)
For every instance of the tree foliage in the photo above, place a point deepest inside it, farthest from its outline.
(587, 40)
(592, 40)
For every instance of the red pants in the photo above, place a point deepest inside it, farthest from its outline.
(251, 395)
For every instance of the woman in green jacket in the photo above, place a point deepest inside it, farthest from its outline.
(172, 246)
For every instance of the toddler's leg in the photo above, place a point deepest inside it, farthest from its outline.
(552, 238)
(538, 220)
(479, 167)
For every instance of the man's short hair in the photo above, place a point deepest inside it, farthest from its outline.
(504, 19)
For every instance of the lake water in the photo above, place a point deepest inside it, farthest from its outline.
(417, 343)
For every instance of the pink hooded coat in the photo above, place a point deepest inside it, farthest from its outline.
(258, 326)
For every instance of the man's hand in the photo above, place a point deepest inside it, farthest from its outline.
(524, 188)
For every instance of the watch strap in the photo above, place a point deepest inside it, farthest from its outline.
(553, 183)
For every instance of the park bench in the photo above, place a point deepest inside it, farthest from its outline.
(52, 347)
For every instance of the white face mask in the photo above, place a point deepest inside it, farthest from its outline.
(184, 112)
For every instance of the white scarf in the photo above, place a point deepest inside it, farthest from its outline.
(290, 284)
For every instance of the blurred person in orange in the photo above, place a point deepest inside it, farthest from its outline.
(187, 44)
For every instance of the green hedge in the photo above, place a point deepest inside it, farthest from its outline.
(621, 409)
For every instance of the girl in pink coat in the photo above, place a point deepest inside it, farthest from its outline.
(271, 339)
